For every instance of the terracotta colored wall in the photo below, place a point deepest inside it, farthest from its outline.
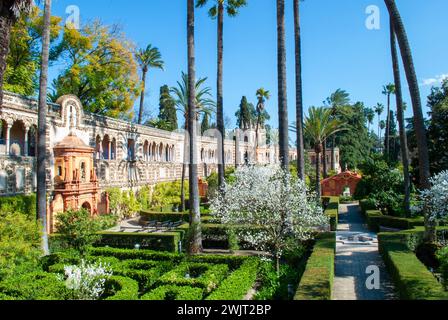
(336, 185)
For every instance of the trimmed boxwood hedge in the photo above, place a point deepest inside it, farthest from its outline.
(331, 205)
(166, 241)
(121, 288)
(210, 275)
(172, 292)
(317, 280)
(127, 254)
(375, 219)
(238, 283)
(411, 277)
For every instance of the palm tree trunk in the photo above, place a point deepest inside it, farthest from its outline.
(142, 98)
(333, 157)
(42, 130)
(419, 124)
(318, 174)
(401, 124)
(6, 22)
(324, 159)
(299, 93)
(282, 91)
(220, 102)
(195, 236)
(387, 135)
(182, 187)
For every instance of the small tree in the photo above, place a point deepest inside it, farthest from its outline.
(273, 207)
(435, 199)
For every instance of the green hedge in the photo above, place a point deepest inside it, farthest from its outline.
(21, 203)
(331, 205)
(166, 241)
(375, 220)
(202, 275)
(411, 277)
(238, 283)
(172, 292)
(121, 288)
(127, 254)
(317, 280)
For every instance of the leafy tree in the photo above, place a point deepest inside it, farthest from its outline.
(205, 124)
(370, 115)
(99, 68)
(388, 90)
(10, 11)
(147, 58)
(244, 115)
(25, 52)
(20, 243)
(167, 109)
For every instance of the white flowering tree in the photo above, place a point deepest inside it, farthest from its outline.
(276, 206)
(87, 281)
(435, 199)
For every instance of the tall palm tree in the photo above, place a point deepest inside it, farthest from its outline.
(370, 115)
(195, 234)
(388, 90)
(10, 11)
(282, 90)
(337, 99)
(382, 127)
(147, 58)
(419, 124)
(262, 96)
(379, 109)
(204, 105)
(299, 93)
(217, 11)
(319, 125)
(42, 129)
(401, 123)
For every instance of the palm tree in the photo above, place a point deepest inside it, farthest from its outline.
(262, 96)
(217, 11)
(370, 115)
(282, 90)
(204, 105)
(382, 127)
(401, 123)
(147, 58)
(10, 11)
(337, 99)
(388, 90)
(195, 234)
(379, 109)
(419, 123)
(299, 93)
(42, 130)
(319, 125)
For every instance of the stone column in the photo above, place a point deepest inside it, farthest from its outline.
(7, 137)
(25, 147)
(110, 149)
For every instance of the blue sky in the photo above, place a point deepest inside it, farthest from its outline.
(338, 50)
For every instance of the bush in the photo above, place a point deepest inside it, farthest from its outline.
(168, 193)
(200, 275)
(127, 254)
(331, 205)
(166, 241)
(172, 292)
(121, 288)
(442, 255)
(375, 220)
(21, 204)
(35, 286)
(317, 280)
(412, 279)
(20, 244)
(238, 283)
(123, 204)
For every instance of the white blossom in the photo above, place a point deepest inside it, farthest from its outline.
(275, 205)
(435, 199)
(87, 280)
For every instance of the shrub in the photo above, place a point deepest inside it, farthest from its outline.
(375, 220)
(317, 280)
(21, 204)
(35, 286)
(442, 255)
(121, 288)
(412, 279)
(127, 254)
(200, 275)
(168, 193)
(144, 197)
(20, 243)
(331, 205)
(172, 292)
(238, 283)
(123, 204)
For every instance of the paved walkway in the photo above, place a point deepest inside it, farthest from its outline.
(356, 250)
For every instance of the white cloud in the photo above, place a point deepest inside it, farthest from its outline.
(435, 81)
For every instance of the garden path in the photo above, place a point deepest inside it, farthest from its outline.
(356, 250)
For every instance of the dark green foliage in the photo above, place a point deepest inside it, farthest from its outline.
(172, 292)
(411, 277)
(121, 288)
(317, 280)
(375, 220)
(331, 205)
(246, 114)
(383, 185)
(166, 241)
(22, 204)
(126, 254)
(238, 283)
(167, 109)
(442, 255)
